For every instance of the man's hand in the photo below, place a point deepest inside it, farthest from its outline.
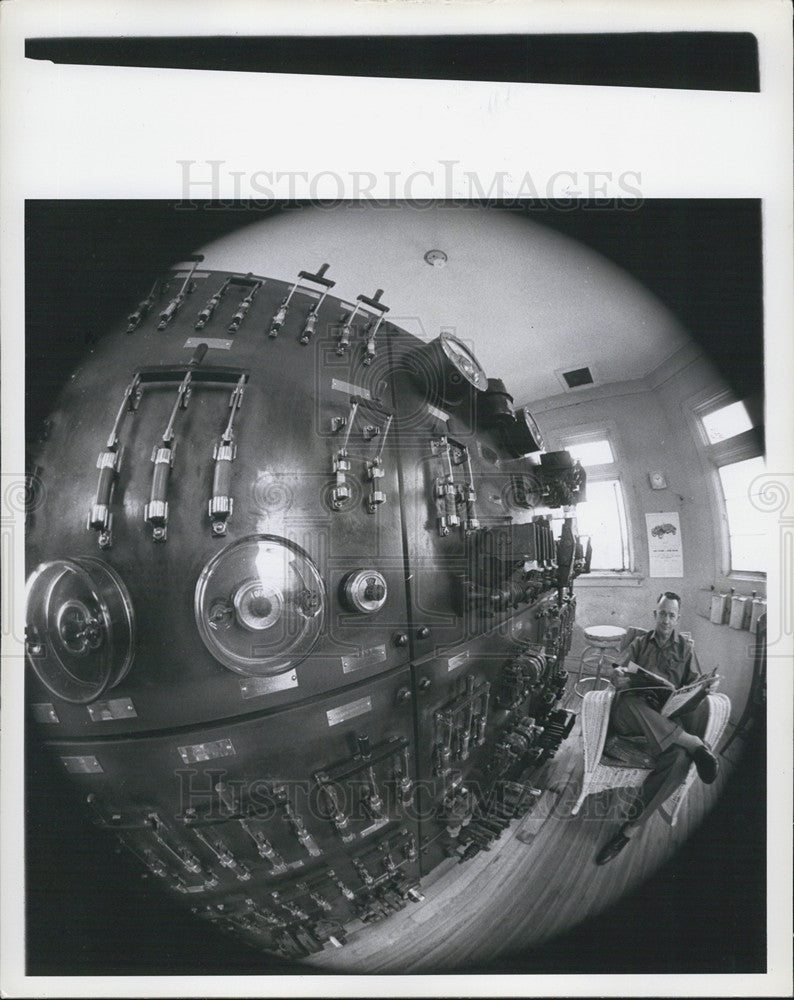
(620, 679)
(713, 684)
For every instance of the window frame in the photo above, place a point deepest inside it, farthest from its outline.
(606, 472)
(742, 446)
(713, 402)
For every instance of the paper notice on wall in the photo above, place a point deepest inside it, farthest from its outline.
(665, 554)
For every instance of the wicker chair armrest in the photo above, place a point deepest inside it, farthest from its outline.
(596, 706)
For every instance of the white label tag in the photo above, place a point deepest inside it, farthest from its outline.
(455, 661)
(363, 659)
(349, 711)
(214, 342)
(255, 687)
(374, 826)
(82, 765)
(207, 751)
(349, 389)
(116, 708)
(45, 712)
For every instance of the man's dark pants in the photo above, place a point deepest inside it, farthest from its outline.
(632, 716)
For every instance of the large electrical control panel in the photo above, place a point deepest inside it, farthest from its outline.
(299, 600)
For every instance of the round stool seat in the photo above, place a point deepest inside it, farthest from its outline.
(604, 635)
(599, 639)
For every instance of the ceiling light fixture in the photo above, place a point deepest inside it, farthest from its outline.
(436, 258)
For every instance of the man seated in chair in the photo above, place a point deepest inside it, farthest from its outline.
(673, 743)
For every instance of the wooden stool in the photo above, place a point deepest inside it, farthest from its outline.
(599, 639)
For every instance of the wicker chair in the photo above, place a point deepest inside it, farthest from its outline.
(600, 774)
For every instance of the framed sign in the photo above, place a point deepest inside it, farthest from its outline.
(665, 553)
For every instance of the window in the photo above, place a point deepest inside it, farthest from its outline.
(746, 523)
(592, 452)
(726, 422)
(603, 515)
(734, 450)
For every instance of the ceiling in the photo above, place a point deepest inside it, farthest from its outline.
(531, 302)
(537, 287)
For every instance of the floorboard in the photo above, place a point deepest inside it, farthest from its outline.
(538, 881)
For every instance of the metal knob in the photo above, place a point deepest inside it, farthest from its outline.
(364, 591)
(374, 591)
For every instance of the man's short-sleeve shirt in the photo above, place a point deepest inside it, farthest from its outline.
(674, 660)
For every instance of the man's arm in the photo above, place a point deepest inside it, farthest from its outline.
(619, 679)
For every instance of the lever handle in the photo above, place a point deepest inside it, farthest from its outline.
(198, 355)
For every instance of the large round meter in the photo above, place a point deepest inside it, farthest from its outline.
(464, 361)
(260, 605)
(80, 628)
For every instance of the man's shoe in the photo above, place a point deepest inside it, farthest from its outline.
(707, 763)
(612, 848)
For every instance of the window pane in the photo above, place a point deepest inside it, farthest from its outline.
(747, 523)
(603, 517)
(592, 452)
(726, 422)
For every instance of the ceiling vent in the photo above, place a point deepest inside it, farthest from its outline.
(577, 377)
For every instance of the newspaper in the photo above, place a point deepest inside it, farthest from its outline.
(680, 698)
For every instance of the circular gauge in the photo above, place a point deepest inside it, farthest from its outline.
(523, 436)
(464, 361)
(80, 628)
(260, 605)
(364, 591)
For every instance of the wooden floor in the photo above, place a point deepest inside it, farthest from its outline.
(537, 881)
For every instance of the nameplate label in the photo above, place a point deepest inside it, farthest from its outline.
(366, 658)
(349, 711)
(45, 712)
(455, 661)
(82, 765)
(349, 389)
(116, 708)
(214, 342)
(255, 687)
(435, 412)
(374, 826)
(206, 751)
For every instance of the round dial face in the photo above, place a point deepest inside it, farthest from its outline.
(464, 361)
(260, 605)
(80, 628)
